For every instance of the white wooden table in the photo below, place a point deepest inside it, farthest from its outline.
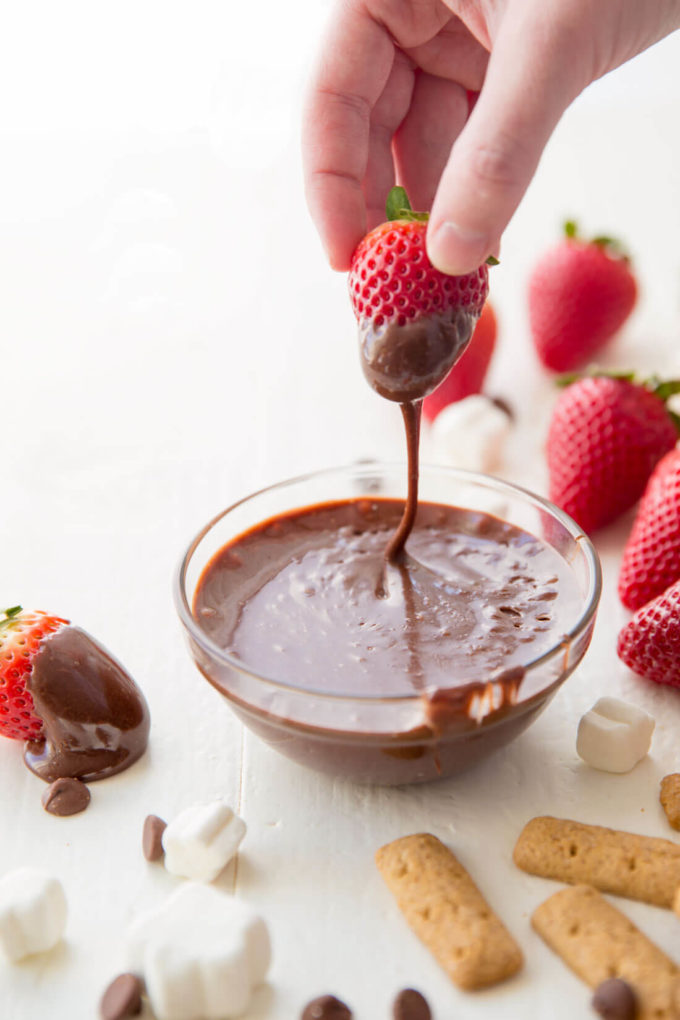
(171, 340)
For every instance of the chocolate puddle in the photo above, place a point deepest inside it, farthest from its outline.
(295, 599)
(95, 718)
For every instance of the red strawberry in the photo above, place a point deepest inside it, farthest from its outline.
(467, 375)
(580, 294)
(21, 634)
(605, 438)
(414, 322)
(651, 559)
(650, 642)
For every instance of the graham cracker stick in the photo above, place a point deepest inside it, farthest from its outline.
(447, 912)
(598, 942)
(623, 863)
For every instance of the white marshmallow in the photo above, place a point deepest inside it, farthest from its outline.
(614, 736)
(201, 954)
(201, 841)
(471, 434)
(33, 912)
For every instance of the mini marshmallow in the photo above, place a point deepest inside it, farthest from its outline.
(614, 736)
(201, 954)
(33, 912)
(470, 433)
(201, 841)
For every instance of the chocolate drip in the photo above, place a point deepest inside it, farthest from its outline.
(412, 414)
(95, 718)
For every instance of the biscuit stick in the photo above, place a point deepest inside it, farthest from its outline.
(598, 942)
(623, 863)
(447, 912)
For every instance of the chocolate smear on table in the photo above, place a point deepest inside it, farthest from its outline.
(95, 718)
(123, 998)
(326, 1007)
(152, 837)
(411, 1005)
(614, 999)
(65, 796)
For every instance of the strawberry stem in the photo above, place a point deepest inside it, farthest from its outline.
(398, 207)
(9, 615)
(663, 389)
(397, 204)
(613, 246)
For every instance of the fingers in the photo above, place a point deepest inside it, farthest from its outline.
(388, 113)
(423, 142)
(357, 60)
(534, 72)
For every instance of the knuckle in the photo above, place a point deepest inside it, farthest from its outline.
(501, 164)
(348, 103)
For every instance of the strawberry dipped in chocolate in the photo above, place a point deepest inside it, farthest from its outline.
(414, 324)
(81, 714)
(414, 321)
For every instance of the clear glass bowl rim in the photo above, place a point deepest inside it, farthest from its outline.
(591, 597)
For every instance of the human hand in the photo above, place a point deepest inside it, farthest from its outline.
(389, 103)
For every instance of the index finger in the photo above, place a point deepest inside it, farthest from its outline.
(356, 61)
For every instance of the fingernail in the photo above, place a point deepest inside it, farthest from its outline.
(456, 250)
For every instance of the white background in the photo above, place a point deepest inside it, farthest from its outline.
(171, 338)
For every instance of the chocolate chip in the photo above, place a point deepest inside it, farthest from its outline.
(66, 797)
(614, 999)
(152, 834)
(504, 406)
(411, 1005)
(122, 998)
(326, 1007)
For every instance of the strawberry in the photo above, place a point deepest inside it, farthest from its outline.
(21, 634)
(651, 558)
(467, 375)
(414, 322)
(580, 294)
(605, 437)
(650, 642)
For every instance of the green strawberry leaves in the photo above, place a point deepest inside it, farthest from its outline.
(9, 615)
(398, 207)
(611, 245)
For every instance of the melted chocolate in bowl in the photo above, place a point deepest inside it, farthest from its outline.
(390, 671)
(309, 600)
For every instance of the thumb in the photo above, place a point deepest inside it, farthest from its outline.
(537, 67)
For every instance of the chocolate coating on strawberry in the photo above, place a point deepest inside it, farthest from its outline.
(405, 363)
(95, 719)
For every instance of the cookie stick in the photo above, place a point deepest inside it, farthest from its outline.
(447, 912)
(598, 942)
(639, 867)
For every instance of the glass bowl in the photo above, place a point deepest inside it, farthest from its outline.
(394, 739)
